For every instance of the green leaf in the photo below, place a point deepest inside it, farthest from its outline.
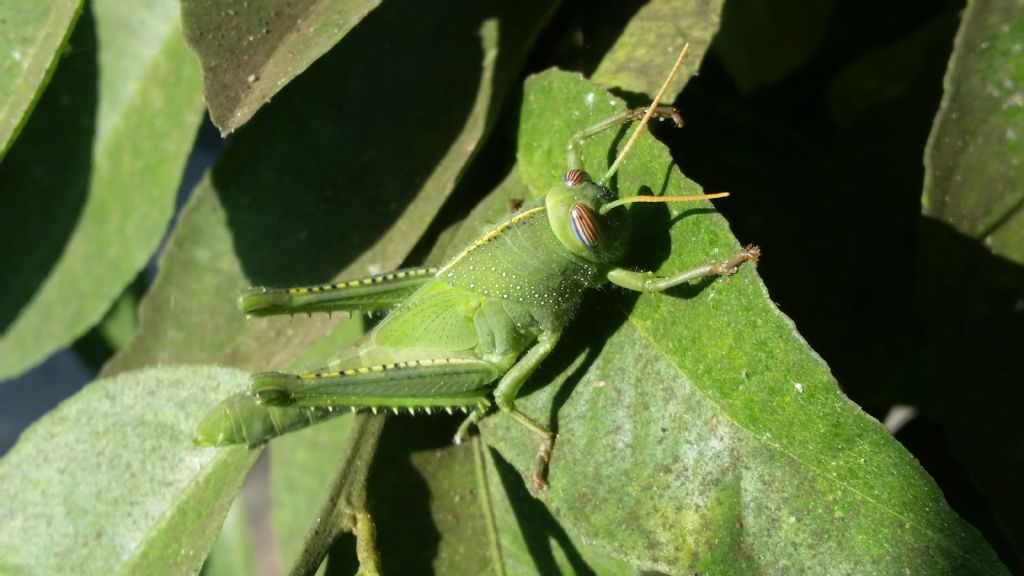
(118, 325)
(424, 490)
(344, 509)
(647, 47)
(232, 554)
(529, 538)
(699, 420)
(89, 187)
(31, 39)
(110, 482)
(974, 154)
(250, 50)
(971, 263)
(301, 468)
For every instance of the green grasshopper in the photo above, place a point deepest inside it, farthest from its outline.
(472, 330)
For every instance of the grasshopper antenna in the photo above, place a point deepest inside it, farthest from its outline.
(630, 199)
(647, 117)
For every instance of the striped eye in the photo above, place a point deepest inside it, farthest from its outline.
(584, 225)
(575, 177)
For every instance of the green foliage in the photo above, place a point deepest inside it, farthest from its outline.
(84, 212)
(742, 424)
(974, 228)
(698, 431)
(31, 41)
(109, 482)
(249, 52)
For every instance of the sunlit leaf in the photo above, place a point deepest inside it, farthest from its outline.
(110, 481)
(697, 431)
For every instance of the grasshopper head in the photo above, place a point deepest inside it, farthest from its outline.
(588, 219)
(574, 212)
(591, 222)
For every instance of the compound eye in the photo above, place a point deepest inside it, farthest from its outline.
(575, 177)
(584, 225)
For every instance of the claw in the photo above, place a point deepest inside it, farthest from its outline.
(749, 253)
(540, 466)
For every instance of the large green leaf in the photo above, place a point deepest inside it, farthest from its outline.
(110, 483)
(697, 431)
(32, 35)
(971, 267)
(250, 50)
(89, 187)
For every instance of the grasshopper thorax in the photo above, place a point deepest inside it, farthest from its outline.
(574, 212)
